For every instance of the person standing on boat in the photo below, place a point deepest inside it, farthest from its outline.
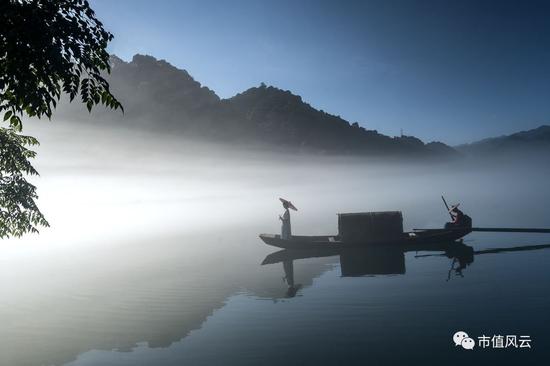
(286, 231)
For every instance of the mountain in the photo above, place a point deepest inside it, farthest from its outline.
(281, 118)
(161, 97)
(532, 141)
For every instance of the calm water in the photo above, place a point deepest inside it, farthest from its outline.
(164, 267)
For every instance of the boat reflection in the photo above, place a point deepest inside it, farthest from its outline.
(354, 262)
(461, 259)
(288, 266)
(375, 261)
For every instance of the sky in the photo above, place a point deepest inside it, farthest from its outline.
(451, 71)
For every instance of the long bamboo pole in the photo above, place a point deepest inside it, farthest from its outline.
(495, 229)
(510, 230)
(447, 206)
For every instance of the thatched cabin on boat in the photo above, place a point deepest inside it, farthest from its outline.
(370, 226)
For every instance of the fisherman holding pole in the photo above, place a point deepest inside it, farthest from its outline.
(458, 218)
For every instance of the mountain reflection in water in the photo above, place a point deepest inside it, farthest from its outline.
(326, 304)
(159, 263)
(171, 309)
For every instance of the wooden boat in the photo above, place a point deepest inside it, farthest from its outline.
(424, 238)
(369, 229)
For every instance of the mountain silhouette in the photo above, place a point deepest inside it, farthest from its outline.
(160, 97)
(532, 141)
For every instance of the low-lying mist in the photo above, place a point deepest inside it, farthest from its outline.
(104, 182)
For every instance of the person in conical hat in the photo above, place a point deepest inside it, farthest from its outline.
(287, 204)
(457, 215)
(460, 220)
(286, 231)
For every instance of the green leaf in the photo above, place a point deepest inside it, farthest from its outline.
(7, 115)
(15, 123)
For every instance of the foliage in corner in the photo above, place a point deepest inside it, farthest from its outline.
(18, 211)
(48, 47)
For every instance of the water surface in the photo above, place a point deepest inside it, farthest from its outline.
(153, 258)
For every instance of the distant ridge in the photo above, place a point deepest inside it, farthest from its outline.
(161, 97)
(536, 140)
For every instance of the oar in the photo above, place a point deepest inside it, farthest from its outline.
(495, 229)
(510, 230)
(446, 205)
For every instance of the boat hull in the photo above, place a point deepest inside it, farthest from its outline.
(418, 239)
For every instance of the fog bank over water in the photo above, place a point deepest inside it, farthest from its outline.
(150, 234)
(113, 182)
